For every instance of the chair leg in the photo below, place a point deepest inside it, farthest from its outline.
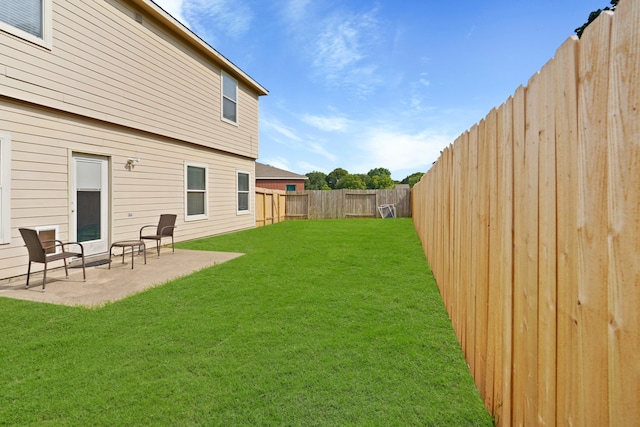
(28, 275)
(158, 246)
(44, 276)
(84, 272)
(172, 248)
(66, 272)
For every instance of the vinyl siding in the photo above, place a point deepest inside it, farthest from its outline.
(43, 142)
(106, 66)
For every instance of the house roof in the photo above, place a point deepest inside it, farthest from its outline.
(194, 40)
(269, 172)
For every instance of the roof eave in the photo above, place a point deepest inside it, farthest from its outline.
(282, 177)
(189, 36)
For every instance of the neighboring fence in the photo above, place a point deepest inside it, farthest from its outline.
(270, 206)
(531, 224)
(328, 204)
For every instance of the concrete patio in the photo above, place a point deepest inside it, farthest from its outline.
(105, 285)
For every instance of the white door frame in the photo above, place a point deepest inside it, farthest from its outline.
(95, 173)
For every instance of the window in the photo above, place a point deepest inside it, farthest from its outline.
(229, 99)
(5, 188)
(291, 187)
(196, 191)
(28, 19)
(243, 192)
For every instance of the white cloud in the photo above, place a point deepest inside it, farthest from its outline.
(338, 47)
(276, 126)
(295, 10)
(174, 8)
(471, 31)
(309, 167)
(320, 149)
(276, 162)
(326, 123)
(208, 17)
(343, 46)
(401, 151)
(363, 81)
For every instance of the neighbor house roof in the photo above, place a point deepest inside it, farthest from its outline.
(192, 39)
(269, 172)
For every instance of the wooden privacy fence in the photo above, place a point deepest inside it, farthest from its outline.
(531, 223)
(270, 206)
(330, 204)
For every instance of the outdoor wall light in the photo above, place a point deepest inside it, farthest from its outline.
(131, 163)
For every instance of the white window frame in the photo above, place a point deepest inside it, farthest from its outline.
(223, 97)
(248, 192)
(47, 27)
(196, 217)
(5, 188)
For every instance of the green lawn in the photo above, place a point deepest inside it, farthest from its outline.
(320, 323)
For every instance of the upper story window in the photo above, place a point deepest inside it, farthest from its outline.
(28, 19)
(229, 99)
(243, 192)
(196, 193)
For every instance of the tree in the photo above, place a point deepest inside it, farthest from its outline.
(366, 179)
(382, 182)
(378, 172)
(335, 176)
(317, 181)
(593, 15)
(350, 181)
(412, 179)
(379, 178)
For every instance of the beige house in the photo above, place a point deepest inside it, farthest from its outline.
(111, 113)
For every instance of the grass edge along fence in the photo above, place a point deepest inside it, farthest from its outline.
(531, 223)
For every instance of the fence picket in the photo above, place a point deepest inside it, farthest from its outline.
(566, 86)
(623, 217)
(504, 256)
(547, 282)
(593, 74)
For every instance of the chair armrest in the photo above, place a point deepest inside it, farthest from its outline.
(55, 245)
(146, 226)
(62, 244)
(77, 244)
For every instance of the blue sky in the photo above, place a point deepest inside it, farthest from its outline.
(362, 84)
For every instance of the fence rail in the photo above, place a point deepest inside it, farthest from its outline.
(320, 204)
(531, 223)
